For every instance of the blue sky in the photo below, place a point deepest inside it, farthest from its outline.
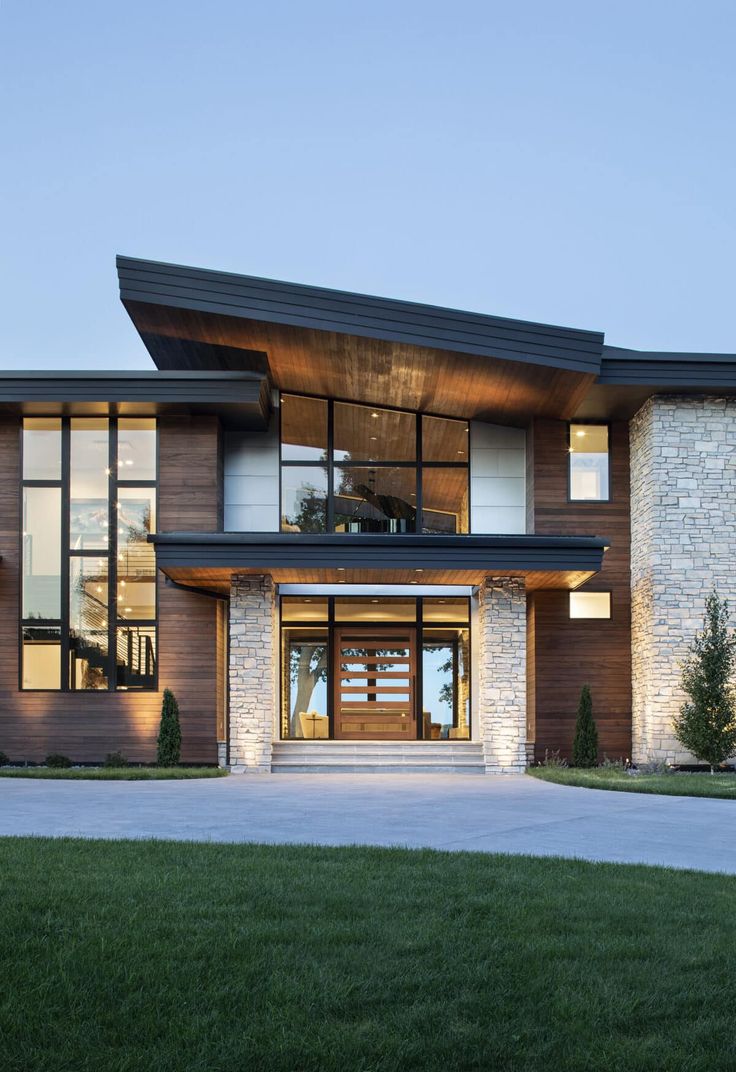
(568, 162)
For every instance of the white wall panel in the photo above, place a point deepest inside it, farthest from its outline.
(251, 474)
(497, 479)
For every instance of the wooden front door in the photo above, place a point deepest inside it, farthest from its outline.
(374, 683)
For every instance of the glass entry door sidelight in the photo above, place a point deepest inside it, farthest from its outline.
(374, 683)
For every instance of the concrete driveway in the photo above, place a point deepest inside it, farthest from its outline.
(513, 814)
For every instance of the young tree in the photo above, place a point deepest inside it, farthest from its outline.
(169, 733)
(585, 744)
(706, 725)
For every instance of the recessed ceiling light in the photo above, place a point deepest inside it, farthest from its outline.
(374, 601)
(580, 433)
(461, 452)
(374, 414)
(307, 600)
(419, 570)
(374, 438)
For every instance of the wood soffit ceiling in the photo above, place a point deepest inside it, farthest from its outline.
(218, 578)
(359, 347)
(371, 371)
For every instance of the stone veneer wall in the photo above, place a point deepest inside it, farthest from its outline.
(683, 542)
(502, 674)
(253, 665)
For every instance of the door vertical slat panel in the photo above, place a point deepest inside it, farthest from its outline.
(374, 683)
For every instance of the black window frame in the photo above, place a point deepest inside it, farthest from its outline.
(609, 455)
(330, 465)
(330, 623)
(114, 623)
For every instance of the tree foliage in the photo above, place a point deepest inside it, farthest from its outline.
(585, 743)
(169, 733)
(706, 725)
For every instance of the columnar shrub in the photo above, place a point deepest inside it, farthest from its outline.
(169, 734)
(706, 725)
(585, 744)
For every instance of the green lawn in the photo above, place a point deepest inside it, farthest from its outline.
(127, 956)
(675, 785)
(113, 774)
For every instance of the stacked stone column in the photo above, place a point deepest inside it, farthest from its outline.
(502, 674)
(683, 543)
(253, 667)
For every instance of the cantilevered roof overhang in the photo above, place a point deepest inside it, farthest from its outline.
(357, 347)
(628, 377)
(238, 398)
(208, 560)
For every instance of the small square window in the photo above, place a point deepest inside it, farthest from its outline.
(590, 604)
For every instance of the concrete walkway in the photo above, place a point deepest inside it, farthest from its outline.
(513, 814)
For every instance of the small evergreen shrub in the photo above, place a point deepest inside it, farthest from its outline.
(169, 734)
(115, 759)
(706, 725)
(585, 743)
(4, 760)
(56, 759)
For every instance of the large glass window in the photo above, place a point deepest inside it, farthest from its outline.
(41, 657)
(589, 463)
(376, 467)
(303, 429)
(89, 515)
(303, 499)
(375, 499)
(304, 683)
(365, 434)
(89, 575)
(41, 552)
(446, 683)
(42, 448)
(322, 670)
(445, 500)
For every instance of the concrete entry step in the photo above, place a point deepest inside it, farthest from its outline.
(379, 757)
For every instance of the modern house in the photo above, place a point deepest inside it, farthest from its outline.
(352, 532)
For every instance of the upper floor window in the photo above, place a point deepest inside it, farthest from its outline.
(352, 468)
(89, 573)
(589, 476)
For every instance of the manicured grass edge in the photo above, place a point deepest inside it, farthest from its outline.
(704, 786)
(114, 774)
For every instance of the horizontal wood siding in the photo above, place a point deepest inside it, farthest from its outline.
(569, 654)
(87, 725)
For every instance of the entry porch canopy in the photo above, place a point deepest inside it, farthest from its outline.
(208, 560)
